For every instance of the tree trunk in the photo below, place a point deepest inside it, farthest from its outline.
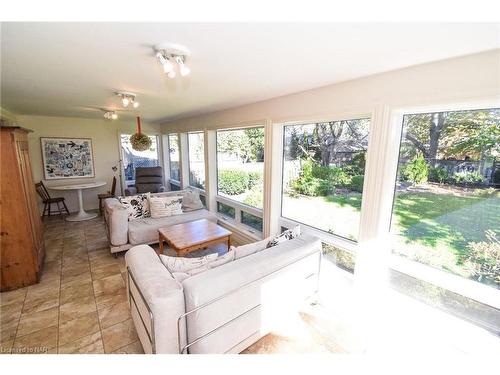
(437, 125)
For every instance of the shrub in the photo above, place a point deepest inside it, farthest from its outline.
(357, 183)
(232, 181)
(438, 174)
(255, 197)
(483, 259)
(416, 171)
(308, 186)
(254, 178)
(466, 177)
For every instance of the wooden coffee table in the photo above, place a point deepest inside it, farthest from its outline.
(195, 235)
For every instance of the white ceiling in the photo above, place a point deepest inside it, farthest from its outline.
(72, 69)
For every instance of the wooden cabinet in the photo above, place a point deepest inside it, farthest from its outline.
(21, 231)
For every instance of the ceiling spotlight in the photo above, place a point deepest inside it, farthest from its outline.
(127, 98)
(183, 69)
(110, 115)
(168, 54)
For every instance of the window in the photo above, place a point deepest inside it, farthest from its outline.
(133, 159)
(323, 169)
(196, 147)
(240, 165)
(447, 199)
(252, 221)
(226, 210)
(173, 144)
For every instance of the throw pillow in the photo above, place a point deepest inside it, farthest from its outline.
(181, 264)
(136, 205)
(251, 248)
(191, 200)
(165, 206)
(285, 236)
(226, 258)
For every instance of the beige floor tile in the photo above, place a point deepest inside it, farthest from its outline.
(99, 253)
(91, 344)
(109, 285)
(32, 322)
(107, 300)
(75, 260)
(111, 315)
(134, 348)
(6, 347)
(41, 303)
(105, 271)
(37, 342)
(119, 335)
(71, 292)
(81, 278)
(14, 296)
(76, 308)
(8, 330)
(77, 328)
(10, 312)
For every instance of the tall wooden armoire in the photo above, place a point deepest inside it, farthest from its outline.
(21, 231)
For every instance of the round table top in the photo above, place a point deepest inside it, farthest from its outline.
(88, 185)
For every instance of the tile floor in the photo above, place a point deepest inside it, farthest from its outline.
(80, 304)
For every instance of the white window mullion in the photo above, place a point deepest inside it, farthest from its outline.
(272, 178)
(184, 159)
(211, 169)
(166, 160)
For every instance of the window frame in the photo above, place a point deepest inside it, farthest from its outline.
(286, 221)
(238, 206)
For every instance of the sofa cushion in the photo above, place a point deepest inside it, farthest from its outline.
(145, 230)
(287, 235)
(222, 259)
(182, 264)
(165, 206)
(191, 200)
(136, 205)
(251, 248)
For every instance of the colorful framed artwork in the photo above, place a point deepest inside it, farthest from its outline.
(67, 158)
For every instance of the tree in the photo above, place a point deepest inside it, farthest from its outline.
(246, 144)
(424, 131)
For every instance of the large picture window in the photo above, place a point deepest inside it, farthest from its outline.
(174, 157)
(323, 172)
(240, 165)
(196, 148)
(446, 210)
(133, 159)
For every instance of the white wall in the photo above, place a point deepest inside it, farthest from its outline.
(458, 79)
(104, 135)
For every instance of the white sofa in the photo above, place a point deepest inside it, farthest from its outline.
(124, 234)
(224, 309)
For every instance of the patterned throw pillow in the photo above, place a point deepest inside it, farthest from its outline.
(285, 236)
(136, 205)
(165, 206)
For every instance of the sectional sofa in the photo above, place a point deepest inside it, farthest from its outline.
(223, 309)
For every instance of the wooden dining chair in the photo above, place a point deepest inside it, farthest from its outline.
(48, 201)
(109, 194)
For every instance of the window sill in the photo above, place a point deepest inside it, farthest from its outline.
(468, 288)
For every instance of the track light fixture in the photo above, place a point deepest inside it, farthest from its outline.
(127, 98)
(110, 115)
(168, 54)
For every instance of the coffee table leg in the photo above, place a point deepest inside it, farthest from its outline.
(228, 242)
(161, 245)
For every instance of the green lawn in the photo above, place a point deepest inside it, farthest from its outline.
(431, 228)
